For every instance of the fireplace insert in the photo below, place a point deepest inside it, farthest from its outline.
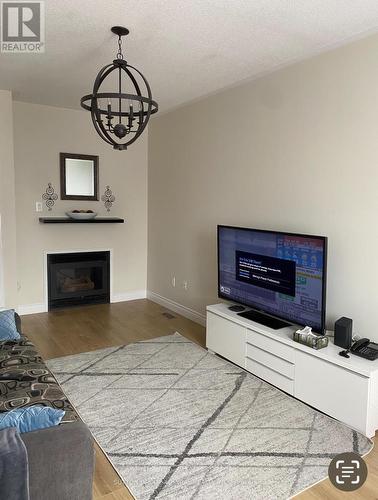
(78, 278)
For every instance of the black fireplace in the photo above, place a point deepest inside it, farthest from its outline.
(76, 279)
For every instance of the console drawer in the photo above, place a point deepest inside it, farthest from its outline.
(270, 376)
(271, 361)
(269, 345)
(226, 338)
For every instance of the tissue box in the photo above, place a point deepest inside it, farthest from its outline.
(317, 342)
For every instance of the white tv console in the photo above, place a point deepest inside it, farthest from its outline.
(346, 389)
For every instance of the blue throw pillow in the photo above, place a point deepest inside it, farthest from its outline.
(8, 328)
(31, 418)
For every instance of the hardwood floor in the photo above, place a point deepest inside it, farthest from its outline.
(71, 331)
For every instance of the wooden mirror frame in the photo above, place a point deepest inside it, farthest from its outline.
(63, 194)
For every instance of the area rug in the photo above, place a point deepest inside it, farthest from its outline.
(180, 423)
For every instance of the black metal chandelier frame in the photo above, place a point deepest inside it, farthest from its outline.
(104, 119)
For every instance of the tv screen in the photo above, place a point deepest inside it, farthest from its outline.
(281, 274)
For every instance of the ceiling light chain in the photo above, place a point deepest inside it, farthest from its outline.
(119, 53)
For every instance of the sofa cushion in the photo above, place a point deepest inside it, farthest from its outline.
(17, 353)
(25, 380)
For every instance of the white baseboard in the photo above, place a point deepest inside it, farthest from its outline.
(178, 308)
(124, 297)
(25, 309)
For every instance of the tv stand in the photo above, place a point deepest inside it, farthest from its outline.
(264, 319)
(344, 388)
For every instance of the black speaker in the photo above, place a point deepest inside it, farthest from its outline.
(343, 332)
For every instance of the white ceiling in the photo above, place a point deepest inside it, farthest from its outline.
(185, 48)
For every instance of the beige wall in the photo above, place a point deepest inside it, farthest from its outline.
(295, 151)
(8, 277)
(40, 134)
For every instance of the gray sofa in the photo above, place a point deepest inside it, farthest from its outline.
(61, 458)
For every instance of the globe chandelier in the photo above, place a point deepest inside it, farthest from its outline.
(120, 117)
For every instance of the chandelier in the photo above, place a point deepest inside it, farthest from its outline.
(120, 117)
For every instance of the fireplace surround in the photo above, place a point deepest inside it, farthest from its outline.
(78, 278)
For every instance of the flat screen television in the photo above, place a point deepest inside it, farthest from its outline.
(281, 276)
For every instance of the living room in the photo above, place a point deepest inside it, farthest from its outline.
(222, 127)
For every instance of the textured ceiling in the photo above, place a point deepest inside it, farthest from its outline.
(185, 48)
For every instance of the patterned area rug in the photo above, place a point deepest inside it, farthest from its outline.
(180, 423)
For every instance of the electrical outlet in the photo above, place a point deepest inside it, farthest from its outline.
(38, 206)
(173, 281)
(185, 285)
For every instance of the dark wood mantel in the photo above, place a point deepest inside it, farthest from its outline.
(68, 220)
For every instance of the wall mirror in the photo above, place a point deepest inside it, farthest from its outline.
(78, 177)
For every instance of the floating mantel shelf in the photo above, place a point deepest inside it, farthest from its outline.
(67, 220)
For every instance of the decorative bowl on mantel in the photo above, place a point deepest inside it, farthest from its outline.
(83, 215)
